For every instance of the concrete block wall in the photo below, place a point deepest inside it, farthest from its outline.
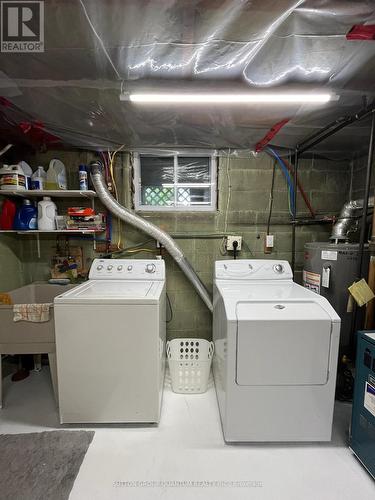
(246, 182)
(11, 265)
(359, 178)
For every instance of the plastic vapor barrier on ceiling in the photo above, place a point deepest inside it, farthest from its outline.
(94, 48)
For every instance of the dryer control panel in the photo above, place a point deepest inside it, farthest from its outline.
(127, 269)
(253, 269)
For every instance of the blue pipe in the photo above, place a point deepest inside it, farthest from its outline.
(287, 176)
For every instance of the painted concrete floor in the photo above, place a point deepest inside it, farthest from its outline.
(185, 456)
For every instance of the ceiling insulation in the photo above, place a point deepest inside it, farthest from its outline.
(93, 49)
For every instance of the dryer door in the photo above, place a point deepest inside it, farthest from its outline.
(282, 343)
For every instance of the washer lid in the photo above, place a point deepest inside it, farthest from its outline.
(113, 291)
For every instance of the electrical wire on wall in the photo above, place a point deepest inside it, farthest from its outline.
(104, 158)
(108, 159)
(140, 247)
(111, 168)
(105, 161)
(229, 192)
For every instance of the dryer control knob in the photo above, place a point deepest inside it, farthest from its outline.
(109, 268)
(99, 268)
(119, 268)
(150, 268)
(278, 268)
(129, 268)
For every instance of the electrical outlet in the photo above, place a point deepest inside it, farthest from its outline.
(231, 239)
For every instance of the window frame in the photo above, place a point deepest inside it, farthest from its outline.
(137, 183)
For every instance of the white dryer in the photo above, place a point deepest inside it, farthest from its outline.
(276, 349)
(110, 343)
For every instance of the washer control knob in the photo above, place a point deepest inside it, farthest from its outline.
(99, 268)
(278, 268)
(109, 268)
(119, 268)
(129, 268)
(150, 268)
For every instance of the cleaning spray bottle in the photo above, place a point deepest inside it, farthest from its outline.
(83, 178)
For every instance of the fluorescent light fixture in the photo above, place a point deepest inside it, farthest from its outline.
(199, 98)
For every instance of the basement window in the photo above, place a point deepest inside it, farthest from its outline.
(175, 182)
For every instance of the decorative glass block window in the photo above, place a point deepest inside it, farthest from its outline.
(174, 182)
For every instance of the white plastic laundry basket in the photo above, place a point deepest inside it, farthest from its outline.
(189, 364)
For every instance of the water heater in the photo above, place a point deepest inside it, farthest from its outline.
(329, 269)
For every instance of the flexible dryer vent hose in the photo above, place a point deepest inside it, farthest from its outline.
(155, 232)
(347, 222)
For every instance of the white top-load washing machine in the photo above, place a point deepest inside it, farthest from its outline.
(110, 343)
(276, 349)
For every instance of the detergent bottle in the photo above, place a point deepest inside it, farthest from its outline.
(56, 175)
(8, 213)
(12, 178)
(38, 179)
(27, 171)
(25, 218)
(47, 212)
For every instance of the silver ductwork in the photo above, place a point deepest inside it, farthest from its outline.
(147, 227)
(347, 225)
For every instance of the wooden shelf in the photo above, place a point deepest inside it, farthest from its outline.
(58, 193)
(55, 231)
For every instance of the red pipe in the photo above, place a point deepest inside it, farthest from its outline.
(270, 135)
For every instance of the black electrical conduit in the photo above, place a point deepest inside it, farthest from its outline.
(362, 236)
(293, 263)
(316, 138)
(332, 128)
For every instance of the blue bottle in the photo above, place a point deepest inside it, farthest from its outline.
(83, 178)
(26, 217)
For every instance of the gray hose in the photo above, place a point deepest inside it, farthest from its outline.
(147, 227)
